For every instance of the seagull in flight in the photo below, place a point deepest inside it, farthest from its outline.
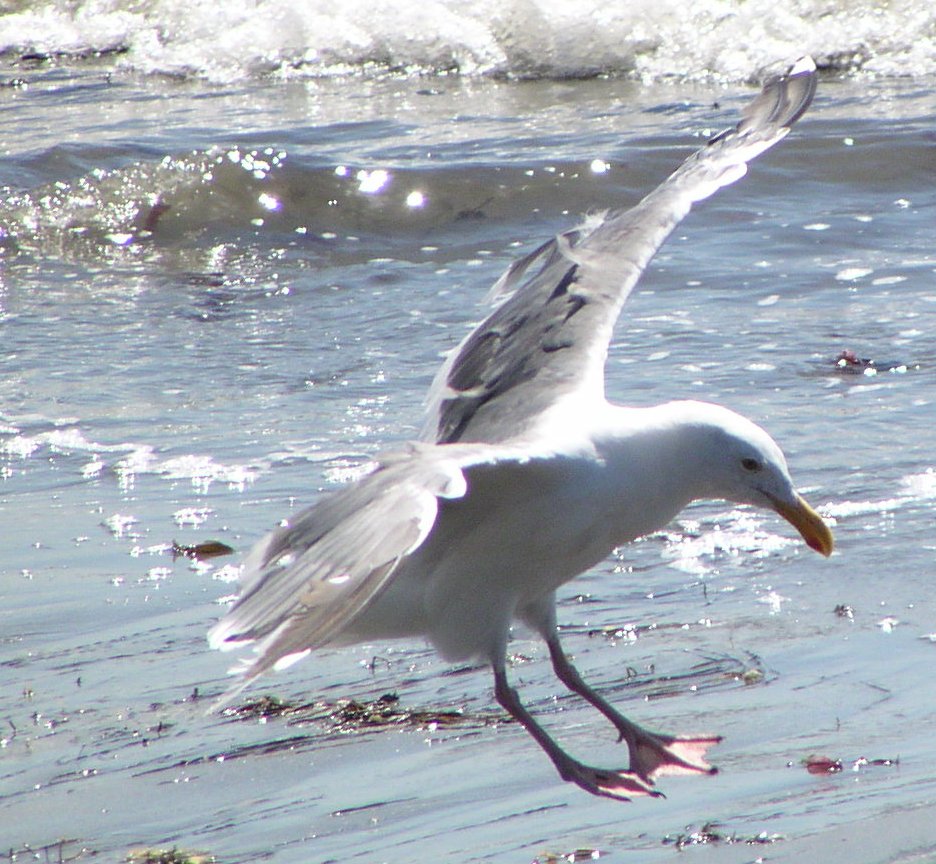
(525, 475)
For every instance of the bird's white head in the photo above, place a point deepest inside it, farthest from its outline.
(736, 460)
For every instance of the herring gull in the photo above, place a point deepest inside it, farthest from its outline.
(526, 475)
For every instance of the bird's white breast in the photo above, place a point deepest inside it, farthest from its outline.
(522, 530)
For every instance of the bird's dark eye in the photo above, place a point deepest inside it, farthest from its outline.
(750, 464)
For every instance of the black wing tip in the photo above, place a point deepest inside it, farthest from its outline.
(798, 87)
(785, 97)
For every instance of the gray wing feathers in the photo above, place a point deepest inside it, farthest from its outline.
(304, 582)
(551, 335)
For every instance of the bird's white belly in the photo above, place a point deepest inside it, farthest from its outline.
(514, 539)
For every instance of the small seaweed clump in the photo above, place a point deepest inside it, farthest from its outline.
(712, 833)
(347, 715)
(167, 856)
(573, 857)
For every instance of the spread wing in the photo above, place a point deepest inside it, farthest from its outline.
(305, 581)
(550, 338)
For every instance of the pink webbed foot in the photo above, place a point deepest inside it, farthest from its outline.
(619, 784)
(655, 755)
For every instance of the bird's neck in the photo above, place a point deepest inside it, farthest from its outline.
(648, 449)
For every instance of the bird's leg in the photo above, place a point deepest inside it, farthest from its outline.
(611, 783)
(651, 754)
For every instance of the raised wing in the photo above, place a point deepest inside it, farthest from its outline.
(305, 581)
(550, 338)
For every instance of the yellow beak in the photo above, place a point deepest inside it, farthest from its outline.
(808, 522)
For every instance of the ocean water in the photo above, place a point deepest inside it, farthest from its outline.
(233, 250)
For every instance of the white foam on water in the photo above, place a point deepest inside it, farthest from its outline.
(653, 40)
(700, 546)
(913, 488)
(126, 460)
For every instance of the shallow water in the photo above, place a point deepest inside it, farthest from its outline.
(213, 305)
